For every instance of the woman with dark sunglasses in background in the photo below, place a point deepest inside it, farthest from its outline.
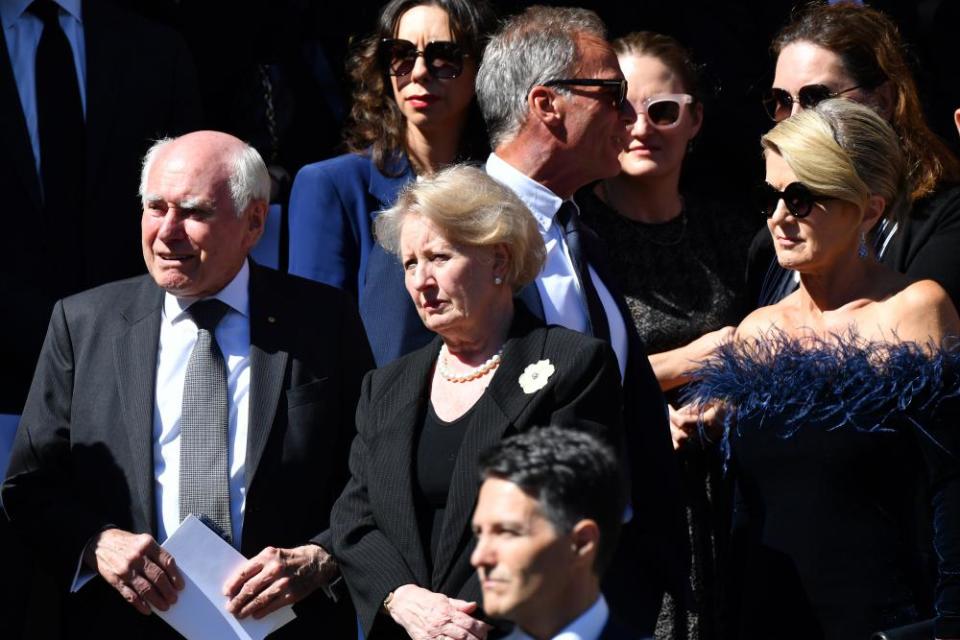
(856, 52)
(838, 401)
(413, 113)
(681, 260)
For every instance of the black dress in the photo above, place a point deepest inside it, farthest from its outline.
(828, 443)
(681, 279)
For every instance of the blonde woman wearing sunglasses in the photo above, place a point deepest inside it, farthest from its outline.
(855, 52)
(839, 402)
(681, 261)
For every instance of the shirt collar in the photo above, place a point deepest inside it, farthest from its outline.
(236, 295)
(588, 626)
(541, 201)
(12, 10)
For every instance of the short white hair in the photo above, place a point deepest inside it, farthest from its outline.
(249, 180)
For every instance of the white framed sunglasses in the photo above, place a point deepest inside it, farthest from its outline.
(664, 110)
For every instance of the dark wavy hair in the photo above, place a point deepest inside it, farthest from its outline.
(376, 124)
(871, 51)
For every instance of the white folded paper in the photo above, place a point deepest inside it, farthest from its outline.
(206, 561)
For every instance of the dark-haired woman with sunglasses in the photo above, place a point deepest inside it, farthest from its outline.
(838, 399)
(681, 261)
(413, 113)
(856, 52)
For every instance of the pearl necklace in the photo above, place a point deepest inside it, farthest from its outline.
(477, 372)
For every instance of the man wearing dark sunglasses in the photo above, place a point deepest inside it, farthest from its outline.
(557, 123)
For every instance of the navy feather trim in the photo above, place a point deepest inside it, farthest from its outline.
(844, 382)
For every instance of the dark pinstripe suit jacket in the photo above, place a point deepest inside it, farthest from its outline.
(376, 537)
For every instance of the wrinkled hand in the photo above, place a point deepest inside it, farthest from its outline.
(426, 615)
(136, 566)
(685, 423)
(275, 578)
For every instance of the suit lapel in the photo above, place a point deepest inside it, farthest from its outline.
(497, 410)
(103, 74)
(403, 407)
(135, 359)
(13, 130)
(268, 364)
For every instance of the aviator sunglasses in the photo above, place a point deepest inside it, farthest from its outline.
(798, 198)
(617, 87)
(779, 103)
(444, 59)
(664, 110)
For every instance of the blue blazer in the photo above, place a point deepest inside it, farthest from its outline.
(332, 207)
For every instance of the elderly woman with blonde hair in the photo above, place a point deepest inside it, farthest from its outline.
(402, 526)
(838, 399)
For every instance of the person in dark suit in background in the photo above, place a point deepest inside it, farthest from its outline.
(210, 386)
(413, 113)
(402, 526)
(554, 99)
(85, 87)
(547, 521)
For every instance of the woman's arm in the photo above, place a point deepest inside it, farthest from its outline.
(673, 367)
(324, 236)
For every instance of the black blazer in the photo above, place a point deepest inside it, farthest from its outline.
(83, 456)
(376, 537)
(137, 91)
(652, 555)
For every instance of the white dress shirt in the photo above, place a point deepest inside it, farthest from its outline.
(564, 302)
(22, 31)
(178, 335)
(588, 626)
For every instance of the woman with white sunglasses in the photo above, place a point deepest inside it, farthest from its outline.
(681, 261)
(680, 258)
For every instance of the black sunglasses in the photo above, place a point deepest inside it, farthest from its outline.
(444, 59)
(779, 103)
(798, 198)
(618, 87)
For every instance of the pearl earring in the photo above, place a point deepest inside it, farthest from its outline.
(497, 280)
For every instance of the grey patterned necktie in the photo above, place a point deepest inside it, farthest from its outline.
(204, 424)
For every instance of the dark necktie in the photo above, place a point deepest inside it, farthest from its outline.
(204, 425)
(569, 222)
(59, 117)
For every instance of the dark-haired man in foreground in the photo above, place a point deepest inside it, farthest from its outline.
(547, 522)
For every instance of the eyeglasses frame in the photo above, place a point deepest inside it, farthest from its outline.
(619, 83)
(420, 53)
(769, 99)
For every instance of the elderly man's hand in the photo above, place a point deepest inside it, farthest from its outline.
(426, 615)
(136, 566)
(275, 578)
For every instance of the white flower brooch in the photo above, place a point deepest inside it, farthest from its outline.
(536, 375)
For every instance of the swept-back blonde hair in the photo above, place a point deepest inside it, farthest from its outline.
(844, 150)
(469, 207)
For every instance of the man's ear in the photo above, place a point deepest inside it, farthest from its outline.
(586, 540)
(956, 119)
(545, 105)
(256, 219)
